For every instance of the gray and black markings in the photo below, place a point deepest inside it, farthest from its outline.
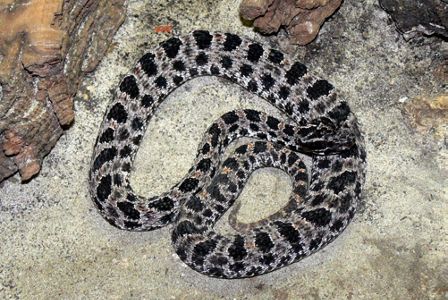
(323, 200)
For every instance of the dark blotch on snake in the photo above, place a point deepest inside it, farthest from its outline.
(337, 166)
(319, 88)
(237, 267)
(226, 62)
(179, 65)
(205, 148)
(319, 217)
(203, 38)
(263, 242)
(189, 185)
(195, 204)
(345, 203)
(106, 155)
(194, 72)
(300, 176)
(314, 244)
(232, 42)
(289, 109)
(118, 113)
(129, 210)
(318, 199)
(262, 136)
(136, 140)
(267, 81)
(337, 226)
(241, 150)
(104, 188)
(171, 47)
(339, 183)
(275, 56)
(207, 213)
(289, 130)
(117, 179)
(129, 86)
(284, 92)
(259, 147)
(178, 79)
(252, 115)
(267, 259)
(272, 122)
(126, 167)
(296, 72)
(201, 59)
(230, 117)
(163, 204)
(255, 52)
(204, 165)
(107, 136)
(252, 86)
(160, 82)
(214, 191)
(132, 225)
(131, 197)
(237, 251)
(340, 112)
(147, 101)
(303, 106)
(123, 134)
(288, 232)
(148, 64)
(214, 131)
(292, 158)
(202, 249)
(183, 228)
(137, 124)
(214, 70)
(218, 260)
(126, 151)
(231, 163)
(246, 70)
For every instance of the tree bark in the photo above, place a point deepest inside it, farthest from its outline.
(46, 48)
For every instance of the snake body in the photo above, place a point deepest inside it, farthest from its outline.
(318, 124)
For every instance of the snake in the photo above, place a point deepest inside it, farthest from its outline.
(315, 123)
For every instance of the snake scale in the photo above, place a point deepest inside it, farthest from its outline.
(318, 124)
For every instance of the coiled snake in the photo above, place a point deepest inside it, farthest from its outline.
(323, 200)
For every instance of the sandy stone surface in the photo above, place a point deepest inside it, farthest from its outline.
(55, 245)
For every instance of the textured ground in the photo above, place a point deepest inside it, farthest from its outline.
(55, 245)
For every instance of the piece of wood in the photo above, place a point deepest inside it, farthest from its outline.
(302, 19)
(46, 48)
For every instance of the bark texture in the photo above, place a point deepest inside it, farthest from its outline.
(46, 48)
(302, 19)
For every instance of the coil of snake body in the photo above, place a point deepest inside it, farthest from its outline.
(318, 124)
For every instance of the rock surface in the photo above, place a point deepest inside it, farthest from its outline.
(54, 244)
(428, 17)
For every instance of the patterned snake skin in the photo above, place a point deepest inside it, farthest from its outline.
(323, 200)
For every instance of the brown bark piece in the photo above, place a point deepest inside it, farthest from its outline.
(301, 18)
(46, 47)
